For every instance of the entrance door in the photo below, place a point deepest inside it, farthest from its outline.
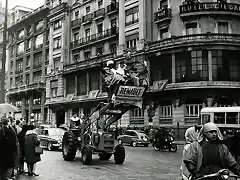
(60, 117)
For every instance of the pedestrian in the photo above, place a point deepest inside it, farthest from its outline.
(191, 134)
(8, 149)
(21, 140)
(209, 154)
(31, 157)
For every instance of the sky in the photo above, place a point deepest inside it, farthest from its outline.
(34, 4)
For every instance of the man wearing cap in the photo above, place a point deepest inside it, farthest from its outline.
(208, 154)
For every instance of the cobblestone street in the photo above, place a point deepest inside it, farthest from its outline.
(141, 163)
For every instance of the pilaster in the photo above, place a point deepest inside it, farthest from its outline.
(173, 68)
(210, 73)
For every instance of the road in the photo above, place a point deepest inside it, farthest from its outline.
(142, 163)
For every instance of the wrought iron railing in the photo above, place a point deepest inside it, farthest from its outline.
(94, 37)
(112, 7)
(99, 13)
(76, 22)
(87, 18)
(162, 14)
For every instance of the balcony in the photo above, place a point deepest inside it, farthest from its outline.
(87, 19)
(92, 62)
(94, 38)
(112, 8)
(195, 39)
(76, 23)
(58, 9)
(99, 14)
(209, 8)
(25, 88)
(162, 15)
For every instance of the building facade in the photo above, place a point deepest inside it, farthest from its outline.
(27, 64)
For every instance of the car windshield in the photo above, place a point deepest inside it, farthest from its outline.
(56, 132)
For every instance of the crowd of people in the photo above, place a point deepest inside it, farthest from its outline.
(206, 152)
(18, 142)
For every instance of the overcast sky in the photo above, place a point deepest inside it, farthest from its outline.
(34, 4)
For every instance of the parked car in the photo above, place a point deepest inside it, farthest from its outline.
(134, 138)
(51, 138)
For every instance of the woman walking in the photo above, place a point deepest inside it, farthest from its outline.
(31, 157)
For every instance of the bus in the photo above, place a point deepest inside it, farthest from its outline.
(223, 117)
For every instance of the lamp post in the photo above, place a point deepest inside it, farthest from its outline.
(2, 90)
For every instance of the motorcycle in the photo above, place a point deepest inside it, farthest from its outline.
(164, 144)
(222, 174)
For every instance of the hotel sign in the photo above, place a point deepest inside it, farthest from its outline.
(211, 6)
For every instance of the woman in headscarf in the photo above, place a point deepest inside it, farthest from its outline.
(208, 155)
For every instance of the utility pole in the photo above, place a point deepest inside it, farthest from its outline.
(2, 95)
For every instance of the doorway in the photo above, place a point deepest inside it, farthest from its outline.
(60, 117)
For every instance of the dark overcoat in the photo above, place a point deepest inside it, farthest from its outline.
(8, 148)
(31, 141)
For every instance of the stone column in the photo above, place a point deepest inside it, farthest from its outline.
(210, 73)
(100, 81)
(173, 69)
(64, 44)
(121, 44)
(31, 57)
(88, 83)
(23, 107)
(49, 113)
(76, 85)
(42, 107)
(142, 24)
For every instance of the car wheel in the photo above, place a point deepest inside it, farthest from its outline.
(49, 146)
(120, 141)
(134, 144)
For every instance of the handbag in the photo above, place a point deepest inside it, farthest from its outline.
(38, 150)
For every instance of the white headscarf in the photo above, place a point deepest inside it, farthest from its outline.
(209, 127)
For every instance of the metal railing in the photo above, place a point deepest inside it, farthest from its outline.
(87, 18)
(99, 13)
(94, 37)
(162, 14)
(112, 7)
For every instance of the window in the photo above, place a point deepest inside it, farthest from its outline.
(29, 30)
(70, 84)
(87, 32)
(56, 62)
(28, 61)
(223, 27)
(11, 66)
(19, 81)
(100, 4)
(163, 4)
(39, 41)
(20, 34)
(39, 25)
(37, 62)
(231, 118)
(217, 64)
(57, 43)
(181, 65)
(19, 65)
(27, 79)
(132, 43)
(57, 24)
(37, 101)
(219, 118)
(165, 111)
(76, 14)
(99, 50)
(75, 36)
(205, 118)
(99, 28)
(164, 33)
(113, 48)
(199, 62)
(76, 57)
(191, 28)
(20, 48)
(11, 82)
(234, 64)
(29, 44)
(192, 110)
(94, 80)
(81, 84)
(87, 9)
(54, 88)
(37, 77)
(137, 113)
(87, 54)
(132, 16)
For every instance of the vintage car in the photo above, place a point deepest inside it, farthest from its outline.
(51, 138)
(134, 138)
